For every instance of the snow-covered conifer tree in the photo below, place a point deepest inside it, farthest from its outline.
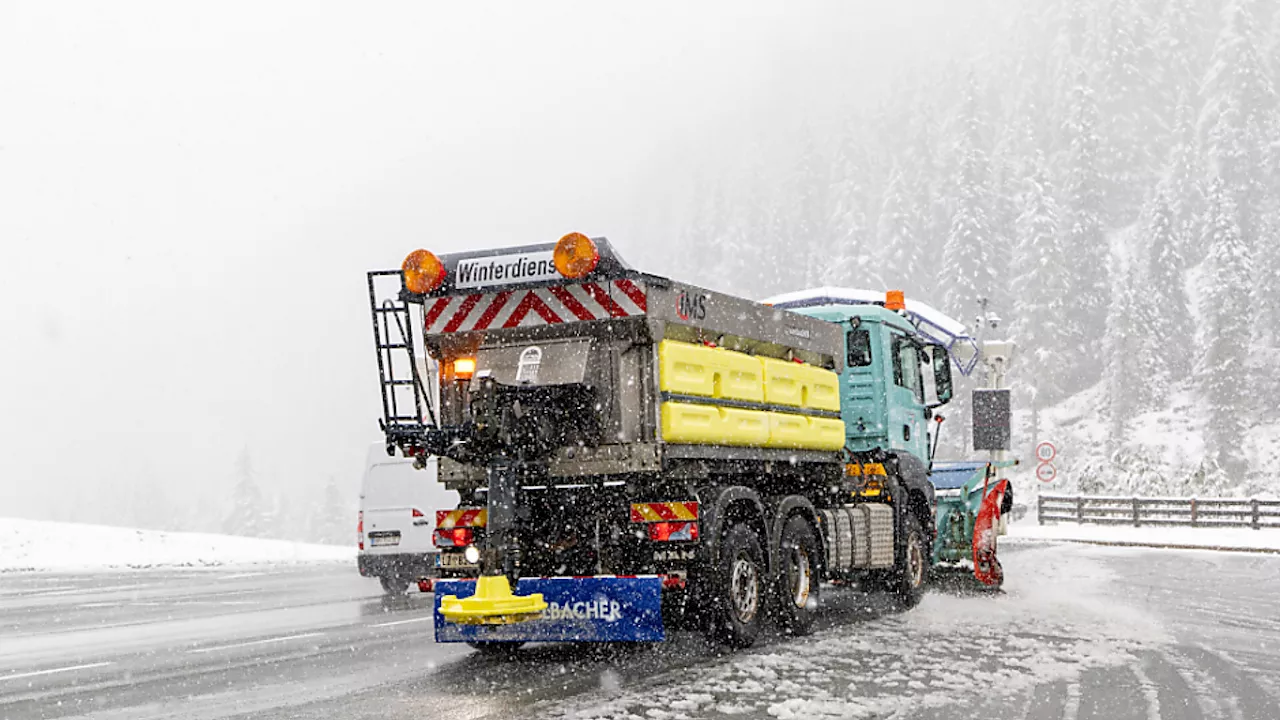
(1127, 389)
(810, 229)
(852, 237)
(1183, 183)
(1042, 282)
(967, 272)
(1164, 283)
(1238, 119)
(1086, 237)
(1223, 368)
(900, 250)
(247, 509)
(333, 518)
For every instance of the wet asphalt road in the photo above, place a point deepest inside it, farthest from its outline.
(1081, 632)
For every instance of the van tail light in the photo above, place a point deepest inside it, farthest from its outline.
(673, 531)
(418, 513)
(454, 537)
(360, 531)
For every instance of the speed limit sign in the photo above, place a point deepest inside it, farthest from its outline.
(1046, 452)
(1046, 472)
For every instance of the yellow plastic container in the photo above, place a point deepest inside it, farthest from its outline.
(821, 388)
(800, 432)
(800, 385)
(826, 433)
(690, 424)
(788, 431)
(782, 382)
(689, 369)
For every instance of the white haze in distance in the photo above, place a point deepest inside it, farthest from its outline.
(190, 195)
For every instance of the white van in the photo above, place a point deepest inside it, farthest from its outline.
(397, 518)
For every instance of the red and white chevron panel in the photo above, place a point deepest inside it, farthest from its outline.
(539, 306)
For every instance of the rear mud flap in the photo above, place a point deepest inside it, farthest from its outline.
(591, 609)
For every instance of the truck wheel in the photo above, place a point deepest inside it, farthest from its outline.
(912, 570)
(393, 585)
(737, 594)
(798, 582)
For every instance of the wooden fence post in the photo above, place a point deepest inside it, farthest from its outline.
(1193, 512)
(1136, 521)
(1079, 510)
(1254, 502)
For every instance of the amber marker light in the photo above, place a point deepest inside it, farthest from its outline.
(423, 271)
(464, 368)
(895, 300)
(575, 255)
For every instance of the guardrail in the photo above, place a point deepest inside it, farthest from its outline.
(1138, 511)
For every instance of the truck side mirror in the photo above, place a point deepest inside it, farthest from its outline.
(941, 363)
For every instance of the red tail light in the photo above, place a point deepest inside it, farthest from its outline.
(360, 531)
(673, 531)
(454, 537)
(673, 582)
(418, 513)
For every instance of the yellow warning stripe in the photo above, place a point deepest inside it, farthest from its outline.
(663, 512)
(464, 517)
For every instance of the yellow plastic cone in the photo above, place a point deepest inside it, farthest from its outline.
(492, 604)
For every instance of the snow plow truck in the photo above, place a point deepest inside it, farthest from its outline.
(635, 454)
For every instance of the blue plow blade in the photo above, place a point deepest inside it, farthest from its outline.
(590, 609)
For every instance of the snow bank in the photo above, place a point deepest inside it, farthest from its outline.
(1183, 537)
(43, 545)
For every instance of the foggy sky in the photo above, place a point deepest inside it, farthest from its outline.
(190, 195)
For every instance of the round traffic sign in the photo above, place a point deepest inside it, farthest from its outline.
(1046, 472)
(1046, 451)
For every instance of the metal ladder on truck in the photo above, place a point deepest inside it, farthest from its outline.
(404, 397)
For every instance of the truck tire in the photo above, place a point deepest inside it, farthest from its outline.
(737, 589)
(393, 585)
(911, 571)
(798, 579)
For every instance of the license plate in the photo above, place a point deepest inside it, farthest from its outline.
(452, 560)
(383, 540)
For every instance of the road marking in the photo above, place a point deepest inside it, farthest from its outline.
(15, 676)
(257, 642)
(37, 590)
(96, 590)
(240, 575)
(403, 622)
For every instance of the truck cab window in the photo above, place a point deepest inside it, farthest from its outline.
(859, 343)
(906, 366)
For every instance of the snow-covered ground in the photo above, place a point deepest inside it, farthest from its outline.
(44, 545)
(1055, 623)
(1184, 537)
